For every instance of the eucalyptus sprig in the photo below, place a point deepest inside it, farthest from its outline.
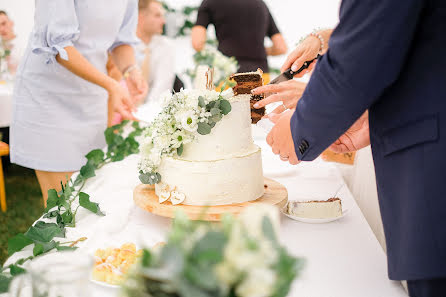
(60, 204)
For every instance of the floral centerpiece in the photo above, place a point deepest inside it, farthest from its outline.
(237, 258)
(5, 52)
(223, 66)
(184, 116)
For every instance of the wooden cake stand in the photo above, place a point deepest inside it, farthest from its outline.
(144, 196)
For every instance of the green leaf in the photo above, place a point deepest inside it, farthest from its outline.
(225, 107)
(215, 111)
(268, 229)
(84, 201)
(17, 243)
(95, 157)
(87, 171)
(146, 258)
(52, 201)
(216, 118)
(149, 178)
(42, 248)
(204, 128)
(180, 150)
(209, 248)
(65, 248)
(4, 283)
(79, 180)
(44, 232)
(67, 217)
(201, 102)
(51, 214)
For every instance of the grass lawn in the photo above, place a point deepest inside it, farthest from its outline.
(24, 202)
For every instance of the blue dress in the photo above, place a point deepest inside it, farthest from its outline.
(59, 117)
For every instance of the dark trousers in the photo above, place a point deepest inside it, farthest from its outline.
(427, 288)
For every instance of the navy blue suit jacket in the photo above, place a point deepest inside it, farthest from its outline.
(389, 56)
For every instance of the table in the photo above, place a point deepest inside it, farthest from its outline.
(6, 91)
(344, 259)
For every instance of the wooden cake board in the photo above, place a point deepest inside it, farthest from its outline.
(144, 196)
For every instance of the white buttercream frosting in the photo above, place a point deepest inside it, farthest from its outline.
(225, 181)
(231, 137)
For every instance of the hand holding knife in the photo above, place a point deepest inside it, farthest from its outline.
(289, 74)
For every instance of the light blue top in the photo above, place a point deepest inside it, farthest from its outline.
(59, 117)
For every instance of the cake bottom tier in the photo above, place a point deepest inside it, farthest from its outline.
(220, 182)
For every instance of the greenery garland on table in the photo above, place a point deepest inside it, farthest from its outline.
(42, 233)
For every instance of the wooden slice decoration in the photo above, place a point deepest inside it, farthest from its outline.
(144, 196)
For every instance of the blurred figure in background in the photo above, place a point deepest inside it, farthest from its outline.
(155, 53)
(241, 28)
(8, 42)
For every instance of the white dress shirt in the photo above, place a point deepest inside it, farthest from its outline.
(162, 70)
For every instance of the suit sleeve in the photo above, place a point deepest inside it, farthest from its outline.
(367, 51)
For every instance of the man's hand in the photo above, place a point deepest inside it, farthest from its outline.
(281, 140)
(355, 138)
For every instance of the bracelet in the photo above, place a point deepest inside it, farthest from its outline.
(321, 39)
(129, 69)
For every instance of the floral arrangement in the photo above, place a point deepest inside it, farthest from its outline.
(5, 52)
(237, 258)
(223, 66)
(185, 115)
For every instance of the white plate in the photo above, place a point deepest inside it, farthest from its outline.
(314, 221)
(102, 284)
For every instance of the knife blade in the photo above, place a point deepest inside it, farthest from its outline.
(289, 74)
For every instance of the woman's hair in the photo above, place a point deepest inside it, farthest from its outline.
(144, 4)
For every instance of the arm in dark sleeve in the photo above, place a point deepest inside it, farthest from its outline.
(204, 17)
(272, 27)
(366, 53)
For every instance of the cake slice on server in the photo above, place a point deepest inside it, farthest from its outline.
(246, 82)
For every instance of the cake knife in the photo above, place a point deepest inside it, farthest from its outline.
(289, 74)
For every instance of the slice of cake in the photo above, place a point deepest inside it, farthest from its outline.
(246, 82)
(331, 208)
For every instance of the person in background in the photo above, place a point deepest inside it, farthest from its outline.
(8, 41)
(405, 124)
(241, 28)
(155, 53)
(62, 89)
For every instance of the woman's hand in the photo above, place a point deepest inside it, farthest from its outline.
(306, 51)
(289, 92)
(137, 86)
(120, 101)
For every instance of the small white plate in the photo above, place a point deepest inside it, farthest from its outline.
(102, 284)
(314, 221)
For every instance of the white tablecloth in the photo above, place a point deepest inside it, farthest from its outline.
(6, 90)
(344, 259)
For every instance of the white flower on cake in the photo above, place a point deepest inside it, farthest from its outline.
(189, 121)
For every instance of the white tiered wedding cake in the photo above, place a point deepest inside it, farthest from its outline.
(223, 167)
(199, 150)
